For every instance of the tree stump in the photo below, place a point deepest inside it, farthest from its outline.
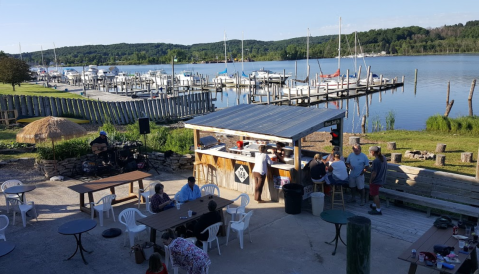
(391, 145)
(440, 147)
(466, 157)
(359, 245)
(396, 158)
(354, 140)
(440, 160)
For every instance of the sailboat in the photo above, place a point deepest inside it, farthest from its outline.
(327, 79)
(223, 77)
(55, 73)
(42, 71)
(243, 80)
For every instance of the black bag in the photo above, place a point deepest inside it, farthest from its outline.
(444, 250)
(443, 222)
(139, 255)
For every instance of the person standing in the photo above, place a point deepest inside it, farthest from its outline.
(190, 191)
(358, 163)
(261, 162)
(378, 178)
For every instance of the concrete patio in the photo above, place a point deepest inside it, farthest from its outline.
(282, 243)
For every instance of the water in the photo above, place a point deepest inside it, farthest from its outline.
(411, 108)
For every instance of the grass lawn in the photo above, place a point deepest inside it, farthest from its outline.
(35, 90)
(423, 140)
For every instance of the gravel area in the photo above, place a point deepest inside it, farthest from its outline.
(21, 169)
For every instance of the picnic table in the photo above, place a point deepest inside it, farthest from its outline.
(171, 218)
(426, 243)
(111, 183)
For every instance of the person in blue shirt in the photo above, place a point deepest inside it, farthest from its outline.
(358, 163)
(190, 191)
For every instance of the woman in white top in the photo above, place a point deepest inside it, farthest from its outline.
(339, 172)
(261, 162)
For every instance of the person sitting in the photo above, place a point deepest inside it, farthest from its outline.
(185, 254)
(155, 265)
(317, 169)
(207, 219)
(338, 172)
(190, 191)
(104, 153)
(330, 157)
(160, 201)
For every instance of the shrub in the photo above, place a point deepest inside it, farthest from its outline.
(64, 149)
(180, 141)
(462, 125)
(390, 120)
(376, 124)
(157, 138)
(438, 122)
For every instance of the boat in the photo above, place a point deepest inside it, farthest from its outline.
(341, 82)
(71, 74)
(91, 73)
(187, 77)
(54, 74)
(105, 74)
(243, 79)
(268, 76)
(373, 79)
(223, 78)
(122, 77)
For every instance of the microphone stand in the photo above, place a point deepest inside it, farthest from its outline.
(145, 155)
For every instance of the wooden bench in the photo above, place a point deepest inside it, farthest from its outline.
(432, 189)
(8, 117)
(111, 183)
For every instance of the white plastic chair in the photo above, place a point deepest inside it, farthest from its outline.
(146, 193)
(212, 232)
(240, 209)
(23, 207)
(8, 197)
(3, 226)
(103, 205)
(210, 189)
(128, 218)
(240, 226)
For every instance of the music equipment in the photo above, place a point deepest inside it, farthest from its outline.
(144, 125)
(98, 148)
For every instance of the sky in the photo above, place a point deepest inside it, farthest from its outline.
(36, 24)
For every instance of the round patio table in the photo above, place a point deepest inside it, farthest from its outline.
(5, 248)
(20, 190)
(338, 218)
(77, 227)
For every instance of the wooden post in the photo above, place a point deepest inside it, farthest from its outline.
(297, 160)
(448, 109)
(466, 157)
(440, 147)
(363, 124)
(358, 245)
(354, 140)
(469, 99)
(477, 168)
(391, 145)
(415, 81)
(396, 158)
(440, 160)
(448, 91)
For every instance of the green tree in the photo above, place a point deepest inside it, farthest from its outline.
(14, 71)
(3, 54)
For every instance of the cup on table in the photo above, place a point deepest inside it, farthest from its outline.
(190, 213)
(421, 257)
(462, 243)
(178, 205)
(468, 231)
(439, 265)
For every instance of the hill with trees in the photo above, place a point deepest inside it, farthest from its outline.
(458, 38)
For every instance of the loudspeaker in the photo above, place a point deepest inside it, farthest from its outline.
(144, 125)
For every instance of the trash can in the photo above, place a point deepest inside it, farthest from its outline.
(293, 197)
(317, 202)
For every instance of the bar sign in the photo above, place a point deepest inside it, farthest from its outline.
(332, 122)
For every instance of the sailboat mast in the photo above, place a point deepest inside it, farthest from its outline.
(41, 48)
(20, 49)
(307, 50)
(55, 53)
(242, 57)
(355, 50)
(226, 64)
(339, 51)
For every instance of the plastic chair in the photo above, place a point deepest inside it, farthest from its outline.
(238, 210)
(3, 226)
(212, 235)
(8, 197)
(210, 189)
(105, 206)
(23, 207)
(146, 193)
(177, 196)
(127, 217)
(240, 226)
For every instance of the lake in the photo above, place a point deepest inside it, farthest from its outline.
(411, 109)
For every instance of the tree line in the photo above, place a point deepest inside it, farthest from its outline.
(414, 40)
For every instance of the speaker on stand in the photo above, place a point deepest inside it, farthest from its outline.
(144, 124)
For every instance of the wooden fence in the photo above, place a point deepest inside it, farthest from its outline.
(98, 112)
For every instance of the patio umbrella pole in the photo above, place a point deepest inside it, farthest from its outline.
(55, 162)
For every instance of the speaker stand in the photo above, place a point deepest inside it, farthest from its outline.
(150, 164)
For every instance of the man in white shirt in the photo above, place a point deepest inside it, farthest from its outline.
(261, 162)
(358, 163)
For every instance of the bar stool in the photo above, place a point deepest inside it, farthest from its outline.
(316, 183)
(209, 177)
(337, 191)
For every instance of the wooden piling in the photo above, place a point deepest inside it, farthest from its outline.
(358, 245)
(469, 99)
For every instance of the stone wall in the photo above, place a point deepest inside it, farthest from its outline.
(66, 167)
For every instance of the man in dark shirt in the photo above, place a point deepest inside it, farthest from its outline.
(102, 139)
(205, 221)
(160, 200)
